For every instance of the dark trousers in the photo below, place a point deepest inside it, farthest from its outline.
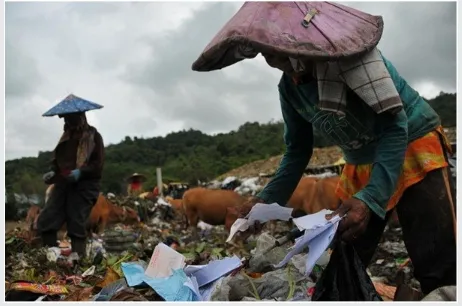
(69, 203)
(427, 215)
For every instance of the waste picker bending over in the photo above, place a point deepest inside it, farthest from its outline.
(335, 80)
(75, 172)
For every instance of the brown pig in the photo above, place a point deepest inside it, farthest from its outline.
(310, 196)
(314, 194)
(209, 206)
(105, 212)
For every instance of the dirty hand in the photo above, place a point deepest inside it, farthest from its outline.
(74, 175)
(48, 176)
(243, 212)
(357, 215)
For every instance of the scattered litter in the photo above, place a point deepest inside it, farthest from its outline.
(262, 213)
(386, 292)
(39, 288)
(53, 254)
(318, 236)
(163, 261)
(216, 269)
(89, 272)
(116, 267)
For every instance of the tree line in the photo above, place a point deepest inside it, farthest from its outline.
(186, 156)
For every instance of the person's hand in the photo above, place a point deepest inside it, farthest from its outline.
(357, 215)
(74, 176)
(48, 176)
(243, 211)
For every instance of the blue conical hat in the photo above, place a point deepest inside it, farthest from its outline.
(71, 104)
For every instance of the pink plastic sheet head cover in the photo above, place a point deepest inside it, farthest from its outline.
(312, 31)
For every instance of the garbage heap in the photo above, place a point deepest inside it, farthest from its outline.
(34, 273)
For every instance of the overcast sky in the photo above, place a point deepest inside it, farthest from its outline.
(135, 59)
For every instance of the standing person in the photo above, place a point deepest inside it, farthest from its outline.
(76, 171)
(393, 142)
(135, 184)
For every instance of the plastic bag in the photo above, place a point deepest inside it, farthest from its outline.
(275, 285)
(345, 278)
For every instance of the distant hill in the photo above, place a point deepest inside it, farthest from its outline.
(184, 156)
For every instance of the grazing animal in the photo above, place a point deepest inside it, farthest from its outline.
(310, 196)
(314, 194)
(177, 206)
(209, 206)
(105, 212)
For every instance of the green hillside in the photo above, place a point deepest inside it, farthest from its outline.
(185, 156)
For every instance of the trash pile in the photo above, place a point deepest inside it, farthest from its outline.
(251, 186)
(56, 274)
(320, 157)
(390, 257)
(119, 265)
(244, 186)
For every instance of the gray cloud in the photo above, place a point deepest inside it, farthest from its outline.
(135, 59)
(420, 38)
(22, 75)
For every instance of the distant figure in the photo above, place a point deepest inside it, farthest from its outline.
(135, 184)
(75, 172)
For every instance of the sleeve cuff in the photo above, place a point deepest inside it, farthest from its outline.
(262, 195)
(371, 203)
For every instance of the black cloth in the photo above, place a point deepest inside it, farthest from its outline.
(69, 203)
(426, 218)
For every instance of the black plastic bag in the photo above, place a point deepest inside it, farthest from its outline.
(345, 278)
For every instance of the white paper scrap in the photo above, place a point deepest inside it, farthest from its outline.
(313, 220)
(240, 225)
(190, 269)
(261, 213)
(318, 245)
(267, 212)
(163, 260)
(319, 233)
(216, 269)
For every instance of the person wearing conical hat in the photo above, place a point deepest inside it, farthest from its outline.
(336, 81)
(135, 184)
(76, 170)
